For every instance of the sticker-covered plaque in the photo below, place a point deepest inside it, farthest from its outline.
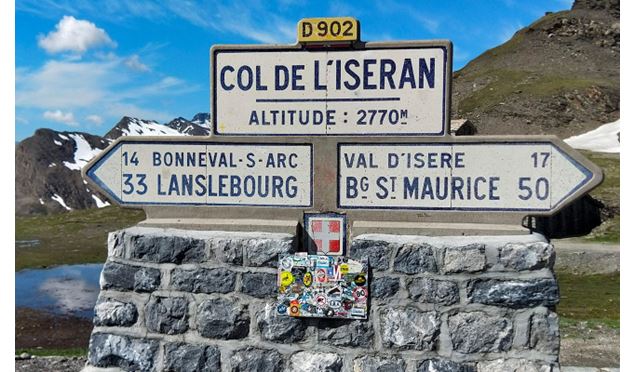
(322, 287)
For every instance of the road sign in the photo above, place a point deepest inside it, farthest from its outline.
(476, 174)
(335, 29)
(377, 89)
(163, 172)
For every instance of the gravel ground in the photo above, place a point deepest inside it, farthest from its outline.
(52, 364)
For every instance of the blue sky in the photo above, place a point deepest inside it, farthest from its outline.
(82, 65)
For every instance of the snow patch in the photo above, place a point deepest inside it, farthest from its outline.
(99, 202)
(83, 153)
(57, 142)
(137, 127)
(59, 199)
(60, 135)
(605, 138)
(41, 201)
(52, 165)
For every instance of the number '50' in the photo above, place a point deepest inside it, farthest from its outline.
(529, 188)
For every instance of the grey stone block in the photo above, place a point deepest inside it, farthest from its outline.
(165, 248)
(519, 257)
(255, 359)
(441, 292)
(513, 293)
(127, 353)
(222, 318)
(470, 258)
(217, 280)
(409, 328)
(265, 252)
(444, 365)
(228, 250)
(479, 332)
(307, 361)
(261, 285)
(167, 315)
(146, 279)
(347, 333)
(277, 328)
(182, 357)
(116, 246)
(377, 253)
(378, 363)
(415, 259)
(544, 333)
(384, 287)
(110, 313)
(506, 365)
(129, 278)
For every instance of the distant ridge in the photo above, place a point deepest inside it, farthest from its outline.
(48, 164)
(559, 75)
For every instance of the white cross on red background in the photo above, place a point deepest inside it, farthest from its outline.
(327, 233)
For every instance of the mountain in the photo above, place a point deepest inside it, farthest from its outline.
(559, 75)
(47, 172)
(188, 127)
(48, 164)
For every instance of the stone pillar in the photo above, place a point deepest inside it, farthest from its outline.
(192, 300)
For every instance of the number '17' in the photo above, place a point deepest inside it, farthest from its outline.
(540, 158)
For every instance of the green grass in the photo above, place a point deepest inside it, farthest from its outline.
(608, 193)
(504, 83)
(71, 352)
(70, 238)
(591, 298)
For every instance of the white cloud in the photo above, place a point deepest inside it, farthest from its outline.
(61, 117)
(134, 63)
(95, 119)
(74, 35)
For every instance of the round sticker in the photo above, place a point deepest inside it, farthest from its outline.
(286, 278)
(330, 312)
(344, 269)
(282, 309)
(360, 279)
(286, 263)
(320, 300)
(294, 310)
(321, 275)
(308, 279)
(359, 293)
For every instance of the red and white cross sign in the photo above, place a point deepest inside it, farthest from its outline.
(327, 233)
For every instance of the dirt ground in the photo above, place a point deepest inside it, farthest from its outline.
(37, 329)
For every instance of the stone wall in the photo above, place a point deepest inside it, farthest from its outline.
(189, 300)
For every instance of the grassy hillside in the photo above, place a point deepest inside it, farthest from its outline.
(609, 194)
(68, 238)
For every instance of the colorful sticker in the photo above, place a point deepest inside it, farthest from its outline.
(286, 278)
(323, 287)
(308, 279)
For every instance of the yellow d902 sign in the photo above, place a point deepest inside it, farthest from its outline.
(328, 29)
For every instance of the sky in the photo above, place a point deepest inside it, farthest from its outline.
(82, 65)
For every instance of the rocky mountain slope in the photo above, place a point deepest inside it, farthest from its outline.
(48, 164)
(559, 75)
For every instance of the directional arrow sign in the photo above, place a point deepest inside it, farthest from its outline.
(475, 174)
(164, 172)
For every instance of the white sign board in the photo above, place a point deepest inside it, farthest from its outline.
(203, 173)
(498, 176)
(373, 91)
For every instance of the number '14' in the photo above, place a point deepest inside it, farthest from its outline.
(130, 159)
